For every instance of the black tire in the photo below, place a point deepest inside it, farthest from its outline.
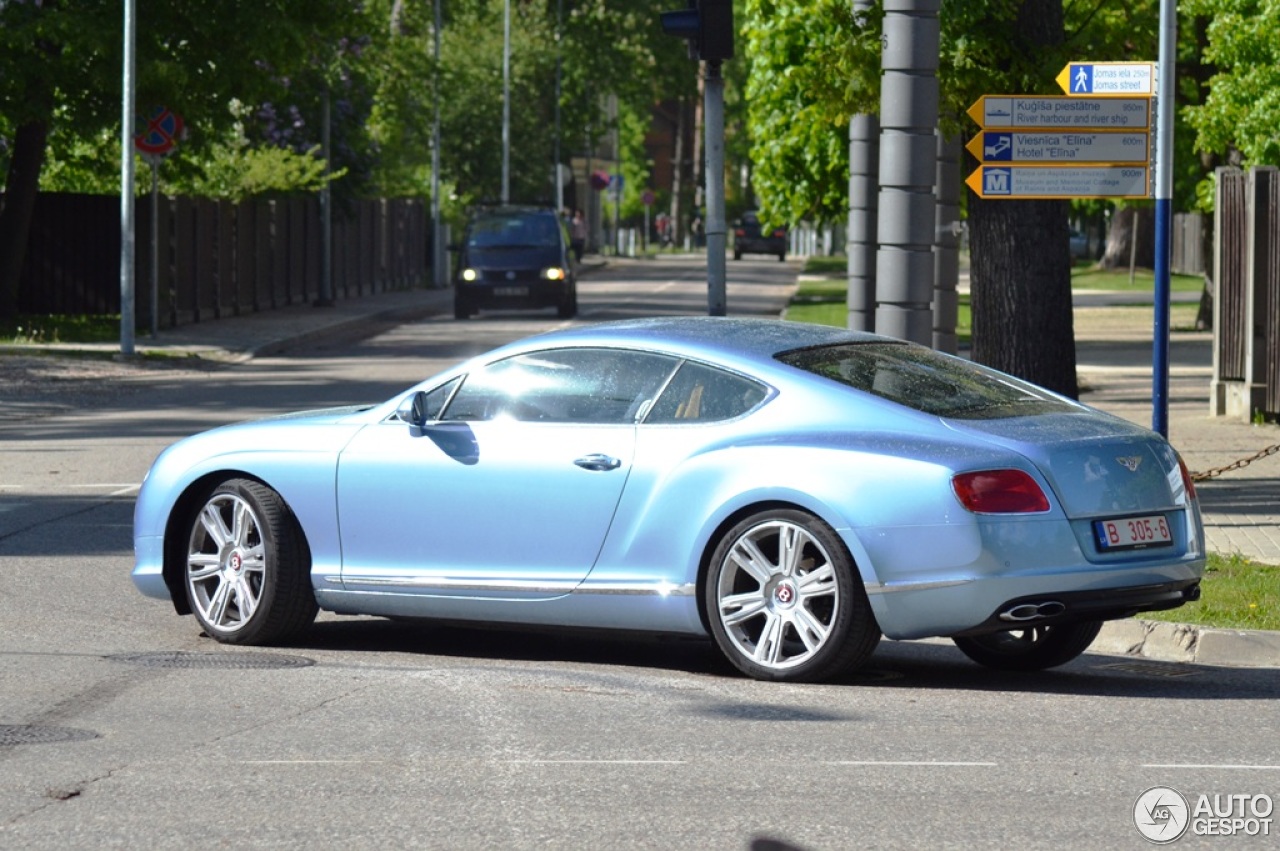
(802, 621)
(461, 309)
(248, 569)
(782, 257)
(737, 255)
(1033, 648)
(568, 307)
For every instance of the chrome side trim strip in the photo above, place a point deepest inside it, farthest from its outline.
(653, 588)
(894, 587)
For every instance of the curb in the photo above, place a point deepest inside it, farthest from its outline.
(1189, 643)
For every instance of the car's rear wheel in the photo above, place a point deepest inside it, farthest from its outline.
(248, 567)
(1032, 648)
(785, 602)
(737, 255)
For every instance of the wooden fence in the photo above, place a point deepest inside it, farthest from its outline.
(1246, 353)
(218, 258)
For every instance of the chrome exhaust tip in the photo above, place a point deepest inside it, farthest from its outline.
(1025, 612)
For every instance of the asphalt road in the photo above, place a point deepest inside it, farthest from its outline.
(120, 726)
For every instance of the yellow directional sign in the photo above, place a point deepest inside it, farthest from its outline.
(1034, 112)
(1108, 79)
(1032, 181)
(1061, 147)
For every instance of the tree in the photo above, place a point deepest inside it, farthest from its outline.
(1242, 109)
(60, 74)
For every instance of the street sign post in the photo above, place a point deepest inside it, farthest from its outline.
(1028, 182)
(1108, 78)
(1050, 112)
(1062, 147)
(164, 128)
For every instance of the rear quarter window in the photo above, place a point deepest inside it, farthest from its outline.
(924, 380)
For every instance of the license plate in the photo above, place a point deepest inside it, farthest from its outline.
(510, 290)
(1127, 533)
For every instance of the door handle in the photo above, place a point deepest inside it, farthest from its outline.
(598, 461)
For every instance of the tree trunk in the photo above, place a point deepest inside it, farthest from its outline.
(1020, 272)
(1132, 235)
(1020, 260)
(21, 186)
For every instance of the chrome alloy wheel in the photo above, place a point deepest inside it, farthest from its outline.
(778, 595)
(226, 563)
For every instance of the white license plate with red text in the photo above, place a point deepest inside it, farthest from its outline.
(1133, 532)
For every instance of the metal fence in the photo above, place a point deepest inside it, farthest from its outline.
(218, 258)
(1246, 354)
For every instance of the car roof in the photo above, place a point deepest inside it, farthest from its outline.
(729, 339)
(511, 210)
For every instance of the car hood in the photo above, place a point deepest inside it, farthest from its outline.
(1096, 464)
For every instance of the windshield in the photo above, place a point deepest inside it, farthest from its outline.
(508, 231)
(925, 380)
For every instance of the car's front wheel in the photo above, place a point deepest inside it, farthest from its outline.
(248, 567)
(1032, 648)
(785, 602)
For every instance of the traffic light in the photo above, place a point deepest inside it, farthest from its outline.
(707, 24)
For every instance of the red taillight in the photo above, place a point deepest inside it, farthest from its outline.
(739, 232)
(779, 232)
(1186, 477)
(999, 492)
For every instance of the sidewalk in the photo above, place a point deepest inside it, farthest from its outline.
(1113, 347)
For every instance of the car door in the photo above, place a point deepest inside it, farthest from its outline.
(509, 489)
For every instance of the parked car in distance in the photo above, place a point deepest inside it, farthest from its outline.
(792, 491)
(514, 257)
(750, 238)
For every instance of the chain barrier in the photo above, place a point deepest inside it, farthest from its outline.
(1234, 465)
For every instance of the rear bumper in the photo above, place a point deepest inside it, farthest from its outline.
(1080, 606)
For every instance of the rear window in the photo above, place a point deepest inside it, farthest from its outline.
(926, 381)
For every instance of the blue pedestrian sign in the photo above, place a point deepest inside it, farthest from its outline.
(1081, 79)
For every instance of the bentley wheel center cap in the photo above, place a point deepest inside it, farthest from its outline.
(785, 593)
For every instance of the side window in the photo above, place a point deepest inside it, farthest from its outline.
(567, 386)
(436, 400)
(701, 393)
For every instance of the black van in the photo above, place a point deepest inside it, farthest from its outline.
(514, 256)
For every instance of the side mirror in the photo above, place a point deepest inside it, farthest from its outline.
(414, 412)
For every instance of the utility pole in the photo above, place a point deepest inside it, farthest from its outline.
(126, 179)
(716, 229)
(864, 190)
(908, 163)
(708, 27)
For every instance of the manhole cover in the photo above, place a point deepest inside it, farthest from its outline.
(233, 659)
(1152, 669)
(35, 734)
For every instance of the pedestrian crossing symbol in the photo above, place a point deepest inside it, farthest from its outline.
(1082, 80)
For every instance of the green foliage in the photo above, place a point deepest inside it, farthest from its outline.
(806, 80)
(1236, 593)
(1242, 110)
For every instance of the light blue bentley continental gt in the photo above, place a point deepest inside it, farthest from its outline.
(794, 491)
